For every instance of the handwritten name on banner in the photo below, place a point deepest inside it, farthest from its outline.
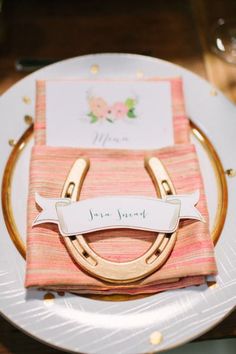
(149, 214)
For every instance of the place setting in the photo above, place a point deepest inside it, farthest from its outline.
(118, 198)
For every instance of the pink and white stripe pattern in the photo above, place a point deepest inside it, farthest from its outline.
(116, 172)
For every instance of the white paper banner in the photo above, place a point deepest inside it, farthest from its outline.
(149, 214)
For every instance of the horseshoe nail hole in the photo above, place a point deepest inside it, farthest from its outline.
(153, 257)
(158, 252)
(90, 259)
(85, 254)
(166, 187)
(70, 190)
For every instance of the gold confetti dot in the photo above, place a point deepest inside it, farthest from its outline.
(139, 74)
(94, 69)
(231, 172)
(12, 142)
(156, 338)
(28, 119)
(48, 299)
(26, 99)
(213, 92)
(212, 285)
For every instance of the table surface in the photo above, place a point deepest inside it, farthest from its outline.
(177, 31)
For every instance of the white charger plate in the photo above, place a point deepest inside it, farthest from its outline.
(81, 324)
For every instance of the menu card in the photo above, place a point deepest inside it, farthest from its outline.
(109, 114)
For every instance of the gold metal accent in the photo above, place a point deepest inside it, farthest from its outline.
(28, 119)
(12, 142)
(139, 74)
(6, 191)
(26, 99)
(16, 153)
(48, 299)
(222, 189)
(115, 272)
(230, 172)
(156, 338)
(115, 297)
(94, 69)
(75, 179)
(212, 284)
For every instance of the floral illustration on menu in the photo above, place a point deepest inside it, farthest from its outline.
(100, 110)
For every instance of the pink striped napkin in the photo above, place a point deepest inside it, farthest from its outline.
(116, 172)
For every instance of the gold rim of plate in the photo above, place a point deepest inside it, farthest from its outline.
(22, 142)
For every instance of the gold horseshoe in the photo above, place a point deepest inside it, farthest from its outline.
(115, 272)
